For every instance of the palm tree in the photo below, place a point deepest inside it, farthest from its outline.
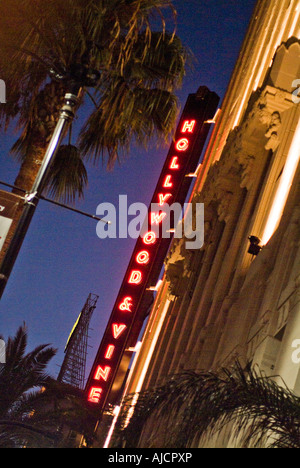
(113, 46)
(254, 409)
(34, 408)
(134, 66)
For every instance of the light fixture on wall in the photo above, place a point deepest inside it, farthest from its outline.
(255, 246)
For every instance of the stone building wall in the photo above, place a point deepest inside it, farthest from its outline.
(222, 303)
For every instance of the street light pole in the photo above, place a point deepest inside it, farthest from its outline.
(67, 114)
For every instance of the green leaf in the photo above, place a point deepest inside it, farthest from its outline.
(68, 177)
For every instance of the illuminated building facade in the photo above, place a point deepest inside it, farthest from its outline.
(239, 295)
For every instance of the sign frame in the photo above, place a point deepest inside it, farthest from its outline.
(110, 368)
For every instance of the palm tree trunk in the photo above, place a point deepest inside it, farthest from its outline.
(30, 168)
(44, 118)
(25, 180)
(66, 116)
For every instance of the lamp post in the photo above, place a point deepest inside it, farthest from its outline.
(77, 77)
(66, 116)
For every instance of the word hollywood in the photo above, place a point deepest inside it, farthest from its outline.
(159, 458)
(162, 217)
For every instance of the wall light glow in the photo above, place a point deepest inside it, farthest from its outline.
(283, 190)
(117, 409)
(112, 428)
(147, 361)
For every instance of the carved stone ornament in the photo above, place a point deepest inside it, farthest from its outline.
(273, 132)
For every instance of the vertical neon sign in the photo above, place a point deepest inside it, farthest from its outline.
(134, 299)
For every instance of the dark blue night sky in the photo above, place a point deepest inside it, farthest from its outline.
(62, 260)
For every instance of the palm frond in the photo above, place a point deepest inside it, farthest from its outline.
(16, 347)
(137, 104)
(22, 372)
(140, 62)
(128, 115)
(33, 406)
(68, 177)
(257, 410)
(162, 65)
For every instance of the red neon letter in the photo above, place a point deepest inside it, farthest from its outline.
(188, 126)
(157, 218)
(102, 373)
(149, 238)
(135, 277)
(95, 395)
(174, 164)
(164, 198)
(182, 145)
(126, 305)
(118, 330)
(109, 352)
(168, 182)
(143, 258)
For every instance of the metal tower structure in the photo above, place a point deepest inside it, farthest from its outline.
(72, 370)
